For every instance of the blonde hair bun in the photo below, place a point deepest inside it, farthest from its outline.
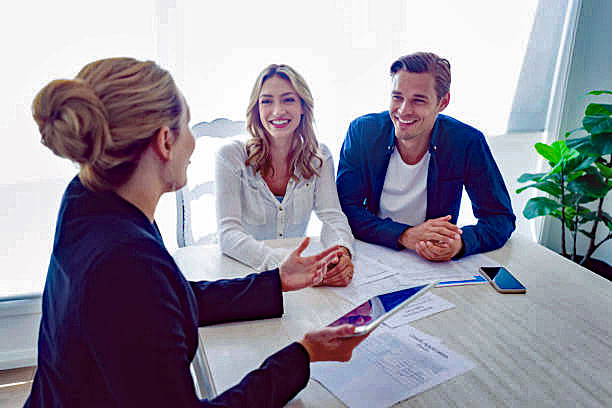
(72, 120)
(105, 118)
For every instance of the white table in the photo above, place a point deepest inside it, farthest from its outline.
(549, 348)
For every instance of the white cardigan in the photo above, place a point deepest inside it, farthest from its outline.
(248, 212)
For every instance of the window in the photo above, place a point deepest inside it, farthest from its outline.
(44, 41)
(215, 50)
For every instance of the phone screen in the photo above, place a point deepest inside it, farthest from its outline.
(376, 307)
(502, 277)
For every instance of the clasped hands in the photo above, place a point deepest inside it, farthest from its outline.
(435, 240)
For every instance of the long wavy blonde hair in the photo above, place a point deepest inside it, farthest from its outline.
(303, 154)
(105, 117)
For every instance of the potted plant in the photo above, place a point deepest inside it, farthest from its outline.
(581, 173)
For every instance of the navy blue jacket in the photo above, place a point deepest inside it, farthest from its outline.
(120, 322)
(460, 157)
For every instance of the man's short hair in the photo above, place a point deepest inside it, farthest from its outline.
(420, 62)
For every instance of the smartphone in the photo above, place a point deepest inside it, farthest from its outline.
(502, 280)
(368, 315)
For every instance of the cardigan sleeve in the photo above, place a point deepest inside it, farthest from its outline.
(234, 240)
(335, 228)
(137, 324)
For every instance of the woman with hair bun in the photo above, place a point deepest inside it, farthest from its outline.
(119, 320)
(268, 187)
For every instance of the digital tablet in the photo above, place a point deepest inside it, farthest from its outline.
(368, 315)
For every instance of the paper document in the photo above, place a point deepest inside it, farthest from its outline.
(368, 270)
(357, 294)
(390, 366)
(425, 306)
(373, 262)
(412, 269)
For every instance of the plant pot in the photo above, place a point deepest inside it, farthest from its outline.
(601, 268)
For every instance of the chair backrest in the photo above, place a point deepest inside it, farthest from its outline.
(195, 202)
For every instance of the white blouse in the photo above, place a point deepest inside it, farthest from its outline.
(248, 212)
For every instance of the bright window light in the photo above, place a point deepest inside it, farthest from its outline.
(343, 48)
(45, 41)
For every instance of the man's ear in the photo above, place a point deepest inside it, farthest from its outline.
(162, 143)
(444, 102)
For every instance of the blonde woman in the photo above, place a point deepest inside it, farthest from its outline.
(268, 187)
(119, 320)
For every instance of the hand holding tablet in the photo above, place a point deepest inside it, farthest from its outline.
(368, 315)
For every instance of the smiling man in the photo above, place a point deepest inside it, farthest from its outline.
(402, 172)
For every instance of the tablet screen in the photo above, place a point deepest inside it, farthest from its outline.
(376, 307)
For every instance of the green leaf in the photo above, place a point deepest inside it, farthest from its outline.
(569, 223)
(589, 185)
(599, 92)
(574, 175)
(607, 219)
(572, 143)
(597, 109)
(556, 213)
(571, 132)
(593, 171)
(560, 146)
(571, 199)
(548, 152)
(596, 124)
(587, 233)
(525, 177)
(546, 186)
(591, 216)
(605, 170)
(579, 163)
(606, 216)
(582, 211)
(602, 143)
(584, 146)
(539, 206)
(567, 155)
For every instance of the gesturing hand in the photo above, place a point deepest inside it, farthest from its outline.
(438, 230)
(331, 343)
(297, 272)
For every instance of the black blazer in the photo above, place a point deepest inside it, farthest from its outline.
(119, 320)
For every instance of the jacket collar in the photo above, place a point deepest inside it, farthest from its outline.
(433, 140)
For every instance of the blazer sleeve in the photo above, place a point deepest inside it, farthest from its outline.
(136, 325)
(234, 240)
(490, 202)
(355, 188)
(335, 229)
(228, 300)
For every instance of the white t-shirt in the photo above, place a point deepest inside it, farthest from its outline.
(404, 193)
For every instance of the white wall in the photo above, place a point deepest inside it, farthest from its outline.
(591, 65)
(532, 95)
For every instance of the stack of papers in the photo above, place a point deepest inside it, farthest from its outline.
(425, 306)
(413, 270)
(391, 365)
(397, 361)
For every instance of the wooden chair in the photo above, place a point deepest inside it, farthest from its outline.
(201, 187)
(196, 222)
